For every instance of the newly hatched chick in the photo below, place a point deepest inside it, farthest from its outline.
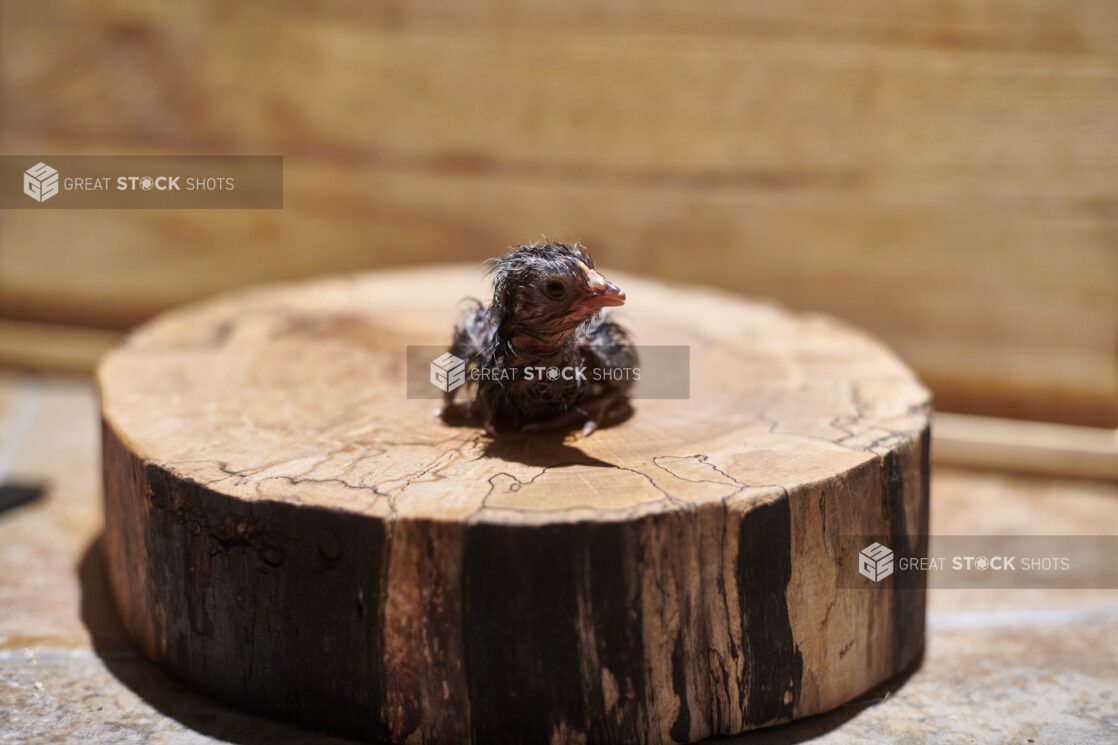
(542, 354)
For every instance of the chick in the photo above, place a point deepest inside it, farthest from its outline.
(542, 354)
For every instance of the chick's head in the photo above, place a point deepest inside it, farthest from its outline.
(544, 291)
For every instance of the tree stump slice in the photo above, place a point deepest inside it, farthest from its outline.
(287, 531)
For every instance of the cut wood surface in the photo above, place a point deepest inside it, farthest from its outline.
(288, 531)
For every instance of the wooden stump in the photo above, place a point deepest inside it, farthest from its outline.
(288, 531)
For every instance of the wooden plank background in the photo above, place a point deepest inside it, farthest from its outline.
(943, 174)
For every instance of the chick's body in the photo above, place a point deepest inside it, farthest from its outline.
(541, 353)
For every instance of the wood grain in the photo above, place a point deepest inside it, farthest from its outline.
(288, 531)
(1030, 447)
(41, 346)
(943, 176)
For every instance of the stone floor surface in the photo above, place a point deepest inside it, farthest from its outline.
(1007, 666)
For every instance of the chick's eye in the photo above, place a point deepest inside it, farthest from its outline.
(554, 289)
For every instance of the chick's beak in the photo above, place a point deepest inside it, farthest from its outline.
(601, 293)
